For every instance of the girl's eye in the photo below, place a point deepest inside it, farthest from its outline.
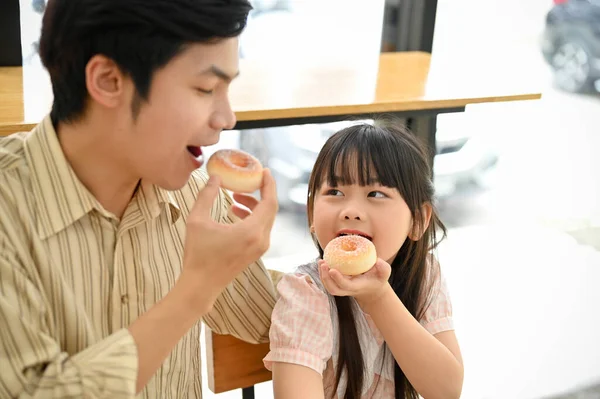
(203, 91)
(333, 191)
(377, 194)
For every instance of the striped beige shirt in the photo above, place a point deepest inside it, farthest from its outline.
(73, 277)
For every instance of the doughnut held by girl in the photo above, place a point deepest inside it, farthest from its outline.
(385, 331)
(350, 253)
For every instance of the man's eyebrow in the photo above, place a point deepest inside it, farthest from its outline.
(218, 72)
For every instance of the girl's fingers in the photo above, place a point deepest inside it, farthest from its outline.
(340, 280)
(330, 284)
(325, 279)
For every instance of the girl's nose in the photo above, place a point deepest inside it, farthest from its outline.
(352, 213)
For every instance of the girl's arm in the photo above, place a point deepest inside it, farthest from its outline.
(301, 339)
(291, 381)
(432, 363)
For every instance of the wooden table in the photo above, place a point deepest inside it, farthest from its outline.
(406, 85)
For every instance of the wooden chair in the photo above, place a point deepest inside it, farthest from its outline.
(233, 364)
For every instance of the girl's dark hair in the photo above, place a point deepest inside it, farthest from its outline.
(389, 154)
(140, 36)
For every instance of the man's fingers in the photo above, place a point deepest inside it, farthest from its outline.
(247, 200)
(255, 228)
(268, 194)
(205, 199)
(266, 209)
(239, 212)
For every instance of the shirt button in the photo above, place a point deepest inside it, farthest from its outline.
(125, 299)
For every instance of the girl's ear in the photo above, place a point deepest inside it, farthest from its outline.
(420, 226)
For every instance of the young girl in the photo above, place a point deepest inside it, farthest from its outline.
(387, 333)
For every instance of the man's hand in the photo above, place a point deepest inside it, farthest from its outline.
(242, 207)
(216, 253)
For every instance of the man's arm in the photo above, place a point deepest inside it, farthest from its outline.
(34, 366)
(244, 308)
(121, 365)
(115, 367)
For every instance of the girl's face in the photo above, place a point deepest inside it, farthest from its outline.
(374, 211)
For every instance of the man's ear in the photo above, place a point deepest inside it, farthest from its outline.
(420, 226)
(105, 82)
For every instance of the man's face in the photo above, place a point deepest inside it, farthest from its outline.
(187, 108)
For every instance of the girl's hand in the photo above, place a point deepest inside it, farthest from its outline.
(366, 288)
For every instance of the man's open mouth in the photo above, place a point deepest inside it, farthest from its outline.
(194, 150)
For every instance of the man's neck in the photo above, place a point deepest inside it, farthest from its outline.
(99, 165)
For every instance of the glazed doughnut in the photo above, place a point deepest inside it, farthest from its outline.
(351, 255)
(240, 172)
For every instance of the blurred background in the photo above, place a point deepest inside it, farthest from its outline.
(518, 184)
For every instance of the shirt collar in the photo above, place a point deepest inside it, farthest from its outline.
(61, 197)
(151, 200)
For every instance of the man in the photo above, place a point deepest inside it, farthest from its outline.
(112, 245)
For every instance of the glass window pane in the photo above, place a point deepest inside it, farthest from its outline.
(523, 205)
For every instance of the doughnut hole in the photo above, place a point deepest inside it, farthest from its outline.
(239, 160)
(348, 246)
